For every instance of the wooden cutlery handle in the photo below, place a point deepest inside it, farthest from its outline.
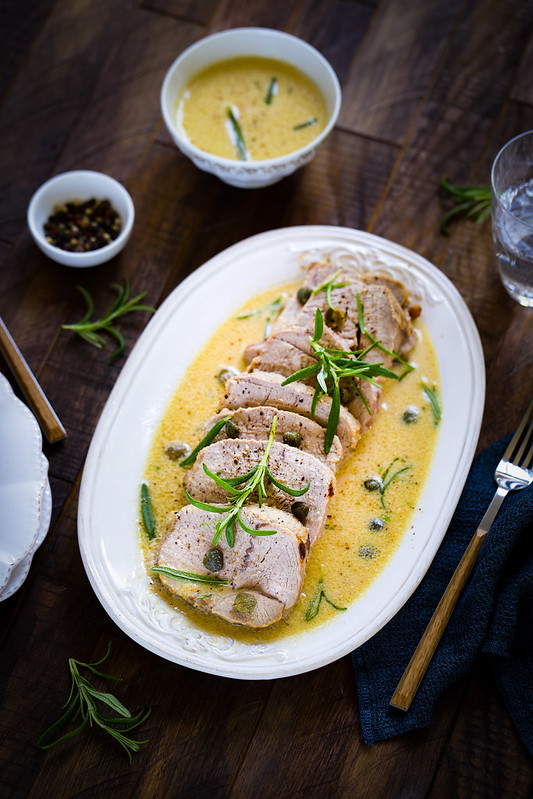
(46, 416)
(412, 676)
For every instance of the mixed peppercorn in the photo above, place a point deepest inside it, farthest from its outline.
(83, 226)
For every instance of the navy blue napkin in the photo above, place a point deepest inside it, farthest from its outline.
(493, 617)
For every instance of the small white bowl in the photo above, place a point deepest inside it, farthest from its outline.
(80, 185)
(261, 42)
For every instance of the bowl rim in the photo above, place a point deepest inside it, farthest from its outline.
(251, 166)
(90, 255)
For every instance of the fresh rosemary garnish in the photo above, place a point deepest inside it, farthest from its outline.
(271, 310)
(431, 394)
(189, 577)
(375, 343)
(147, 512)
(87, 328)
(306, 124)
(328, 287)
(387, 478)
(82, 705)
(240, 144)
(314, 605)
(206, 440)
(473, 202)
(272, 91)
(240, 489)
(331, 366)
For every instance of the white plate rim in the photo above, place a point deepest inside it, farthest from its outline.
(123, 591)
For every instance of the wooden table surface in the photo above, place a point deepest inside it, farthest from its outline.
(430, 88)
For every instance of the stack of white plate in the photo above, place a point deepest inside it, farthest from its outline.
(25, 497)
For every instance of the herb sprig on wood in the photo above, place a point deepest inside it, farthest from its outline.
(330, 368)
(472, 202)
(240, 490)
(83, 705)
(91, 329)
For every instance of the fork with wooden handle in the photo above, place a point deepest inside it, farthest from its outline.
(513, 472)
(45, 414)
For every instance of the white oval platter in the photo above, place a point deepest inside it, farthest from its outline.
(108, 508)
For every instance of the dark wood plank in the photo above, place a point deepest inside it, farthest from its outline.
(20, 23)
(394, 67)
(191, 10)
(50, 93)
(501, 768)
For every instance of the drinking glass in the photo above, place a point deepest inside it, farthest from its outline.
(512, 216)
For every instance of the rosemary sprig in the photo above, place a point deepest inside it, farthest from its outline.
(306, 124)
(387, 478)
(240, 144)
(272, 310)
(82, 704)
(147, 513)
(206, 440)
(331, 366)
(88, 328)
(328, 287)
(272, 91)
(240, 489)
(473, 202)
(431, 394)
(314, 605)
(189, 577)
(375, 343)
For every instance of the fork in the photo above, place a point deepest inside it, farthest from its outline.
(513, 473)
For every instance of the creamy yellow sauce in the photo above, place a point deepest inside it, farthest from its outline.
(294, 115)
(349, 555)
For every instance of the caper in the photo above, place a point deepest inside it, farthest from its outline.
(347, 390)
(373, 484)
(334, 318)
(214, 560)
(244, 602)
(368, 551)
(293, 438)
(176, 450)
(232, 431)
(303, 294)
(376, 524)
(410, 415)
(300, 510)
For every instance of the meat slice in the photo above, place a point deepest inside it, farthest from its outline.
(295, 336)
(387, 321)
(395, 287)
(290, 466)
(264, 388)
(317, 274)
(256, 423)
(269, 568)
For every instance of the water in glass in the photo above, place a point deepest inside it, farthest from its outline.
(512, 226)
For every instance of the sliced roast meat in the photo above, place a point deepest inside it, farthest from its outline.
(269, 567)
(288, 465)
(304, 433)
(387, 321)
(395, 287)
(264, 388)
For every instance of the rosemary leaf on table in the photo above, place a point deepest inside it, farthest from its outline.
(83, 706)
(91, 329)
(472, 202)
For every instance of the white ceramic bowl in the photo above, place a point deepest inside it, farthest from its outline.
(80, 185)
(265, 43)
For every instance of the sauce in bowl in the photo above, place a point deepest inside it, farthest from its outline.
(251, 108)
